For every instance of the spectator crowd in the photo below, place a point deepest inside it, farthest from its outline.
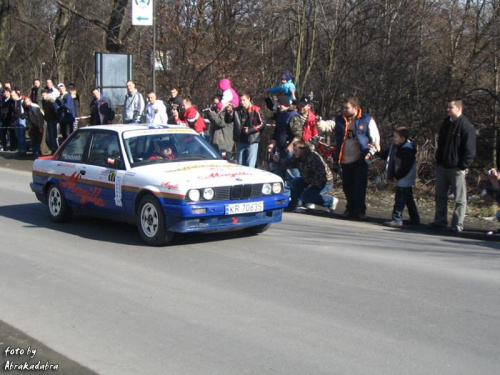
(235, 124)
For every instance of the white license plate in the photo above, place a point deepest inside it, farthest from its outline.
(244, 208)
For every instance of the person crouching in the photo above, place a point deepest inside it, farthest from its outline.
(315, 182)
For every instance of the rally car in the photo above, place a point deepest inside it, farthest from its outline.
(166, 179)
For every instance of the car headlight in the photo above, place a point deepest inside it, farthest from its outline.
(194, 195)
(208, 194)
(266, 189)
(277, 187)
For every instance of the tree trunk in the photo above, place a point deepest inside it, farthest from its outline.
(61, 26)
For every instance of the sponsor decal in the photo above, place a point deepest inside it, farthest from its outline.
(66, 165)
(112, 176)
(226, 174)
(118, 179)
(212, 166)
(91, 195)
(169, 186)
(235, 220)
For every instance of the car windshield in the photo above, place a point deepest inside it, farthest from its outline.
(166, 148)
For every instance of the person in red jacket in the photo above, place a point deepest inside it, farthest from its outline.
(193, 117)
(308, 119)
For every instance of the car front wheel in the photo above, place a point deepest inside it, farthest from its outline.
(59, 211)
(151, 222)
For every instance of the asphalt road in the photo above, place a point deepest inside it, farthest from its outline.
(313, 295)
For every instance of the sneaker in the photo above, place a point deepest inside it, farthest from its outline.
(333, 206)
(393, 224)
(299, 210)
(310, 206)
(456, 229)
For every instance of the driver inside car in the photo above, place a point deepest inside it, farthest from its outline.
(164, 150)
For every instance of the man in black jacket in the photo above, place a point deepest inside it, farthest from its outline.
(101, 110)
(455, 153)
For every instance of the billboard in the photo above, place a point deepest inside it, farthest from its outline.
(112, 71)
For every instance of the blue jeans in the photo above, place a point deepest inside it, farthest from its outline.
(286, 174)
(354, 181)
(52, 136)
(66, 130)
(404, 197)
(251, 150)
(20, 128)
(299, 190)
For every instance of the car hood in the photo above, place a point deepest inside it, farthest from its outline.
(199, 174)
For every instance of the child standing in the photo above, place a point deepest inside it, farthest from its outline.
(401, 166)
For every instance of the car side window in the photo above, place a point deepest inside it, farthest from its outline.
(75, 148)
(105, 150)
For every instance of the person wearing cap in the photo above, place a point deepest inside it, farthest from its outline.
(248, 123)
(286, 87)
(357, 140)
(133, 105)
(65, 109)
(229, 95)
(221, 126)
(307, 119)
(287, 131)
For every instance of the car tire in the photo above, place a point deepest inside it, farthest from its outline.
(59, 211)
(258, 229)
(151, 222)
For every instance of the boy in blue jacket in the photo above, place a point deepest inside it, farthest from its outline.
(401, 166)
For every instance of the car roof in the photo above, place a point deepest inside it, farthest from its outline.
(121, 128)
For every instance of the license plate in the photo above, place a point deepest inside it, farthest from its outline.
(244, 208)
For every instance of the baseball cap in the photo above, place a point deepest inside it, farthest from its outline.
(60, 84)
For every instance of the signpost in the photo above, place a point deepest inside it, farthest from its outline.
(143, 15)
(142, 12)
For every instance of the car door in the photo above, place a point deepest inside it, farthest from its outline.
(105, 172)
(71, 167)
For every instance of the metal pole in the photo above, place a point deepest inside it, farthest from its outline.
(154, 46)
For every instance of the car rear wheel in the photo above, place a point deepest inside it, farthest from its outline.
(258, 229)
(151, 222)
(59, 211)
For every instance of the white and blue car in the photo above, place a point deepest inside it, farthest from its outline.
(166, 179)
